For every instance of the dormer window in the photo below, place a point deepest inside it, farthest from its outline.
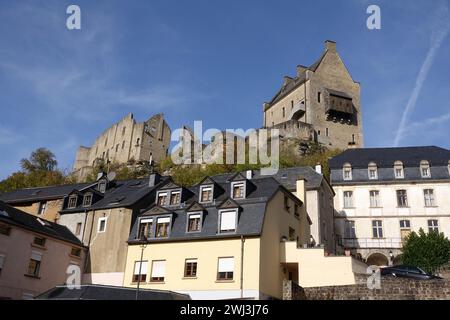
(102, 186)
(425, 169)
(162, 198)
(162, 227)
(72, 202)
(194, 222)
(175, 197)
(398, 170)
(227, 221)
(373, 171)
(238, 190)
(347, 171)
(87, 200)
(206, 194)
(145, 228)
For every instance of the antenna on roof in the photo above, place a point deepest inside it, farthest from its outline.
(111, 176)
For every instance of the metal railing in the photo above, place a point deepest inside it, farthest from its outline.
(372, 242)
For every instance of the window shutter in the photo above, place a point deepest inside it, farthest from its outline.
(143, 269)
(147, 220)
(226, 264)
(36, 256)
(194, 216)
(164, 220)
(158, 269)
(191, 260)
(228, 220)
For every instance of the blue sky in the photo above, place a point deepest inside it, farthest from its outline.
(211, 60)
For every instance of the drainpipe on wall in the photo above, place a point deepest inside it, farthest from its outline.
(242, 266)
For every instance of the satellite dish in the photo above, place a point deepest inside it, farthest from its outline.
(111, 176)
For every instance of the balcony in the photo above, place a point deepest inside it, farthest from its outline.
(356, 243)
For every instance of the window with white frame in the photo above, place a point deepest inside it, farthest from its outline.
(194, 222)
(42, 208)
(433, 225)
(158, 271)
(175, 198)
(162, 198)
(373, 171)
(101, 224)
(34, 264)
(87, 200)
(399, 170)
(425, 169)
(227, 221)
(402, 198)
(140, 271)
(162, 227)
(190, 268)
(145, 228)
(428, 195)
(375, 199)
(238, 190)
(377, 228)
(72, 202)
(349, 229)
(206, 194)
(2, 262)
(347, 171)
(405, 224)
(348, 199)
(225, 268)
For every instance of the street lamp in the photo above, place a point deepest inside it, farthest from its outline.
(143, 245)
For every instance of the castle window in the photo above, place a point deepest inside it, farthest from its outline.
(123, 144)
(123, 131)
(347, 171)
(292, 104)
(319, 96)
(72, 202)
(137, 142)
(373, 171)
(318, 132)
(284, 112)
(353, 138)
(327, 132)
(117, 147)
(425, 169)
(398, 170)
(106, 141)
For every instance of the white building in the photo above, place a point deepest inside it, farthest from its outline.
(382, 194)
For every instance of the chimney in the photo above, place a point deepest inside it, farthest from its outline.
(330, 46)
(300, 191)
(153, 179)
(319, 168)
(301, 69)
(249, 174)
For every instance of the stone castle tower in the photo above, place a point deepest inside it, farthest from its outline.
(127, 141)
(321, 103)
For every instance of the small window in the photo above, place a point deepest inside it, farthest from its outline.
(433, 226)
(87, 200)
(225, 269)
(206, 194)
(5, 229)
(190, 268)
(347, 171)
(145, 228)
(123, 131)
(284, 112)
(405, 224)
(138, 141)
(123, 144)
(375, 199)
(349, 230)
(377, 228)
(194, 222)
(399, 170)
(227, 221)
(106, 141)
(34, 264)
(402, 198)
(348, 199)
(162, 227)
(428, 195)
(72, 202)
(327, 132)
(425, 169)
(78, 229)
(75, 252)
(42, 208)
(158, 271)
(373, 171)
(238, 190)
(102, 186)
(319, 95)
(140, 271)
(175, 198)
(162, 198)
(101, 226)
(39, 241)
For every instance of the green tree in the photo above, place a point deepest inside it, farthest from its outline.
(428, 251)
(41, 159)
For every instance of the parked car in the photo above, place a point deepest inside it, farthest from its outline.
(402, 271)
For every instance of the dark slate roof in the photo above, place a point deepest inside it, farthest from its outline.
(385, 157)
(102, 292)
(251, 216)
(41, 193)
(288, 177)
(121, 193)
(27, 221)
